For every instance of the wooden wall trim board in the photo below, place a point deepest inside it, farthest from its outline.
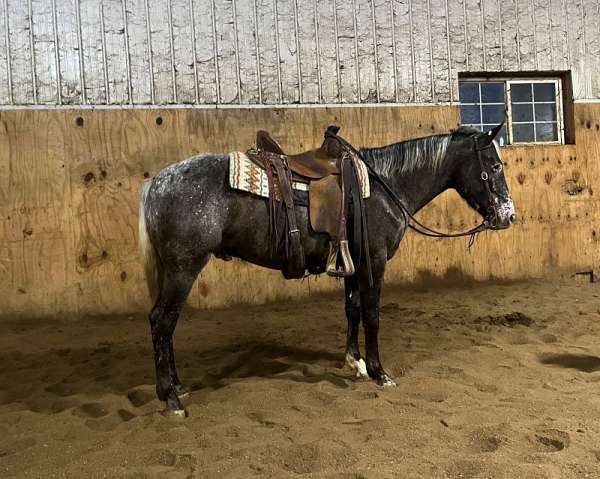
(70, 179)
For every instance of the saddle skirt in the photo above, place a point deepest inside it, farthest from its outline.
(244, 175)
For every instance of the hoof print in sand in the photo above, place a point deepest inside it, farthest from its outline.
(552, 440)
(92, 409)
(125, 415)
(59, 389)
(510, 320)
(139, 398)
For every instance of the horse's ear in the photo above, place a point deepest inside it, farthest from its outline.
(333, 129)
(494, 131)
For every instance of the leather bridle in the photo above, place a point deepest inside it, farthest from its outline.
(411, 221)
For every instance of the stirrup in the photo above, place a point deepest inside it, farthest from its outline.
(347, 267)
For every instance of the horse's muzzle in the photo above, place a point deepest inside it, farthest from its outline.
(502, 217)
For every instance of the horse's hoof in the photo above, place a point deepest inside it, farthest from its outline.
(386, 381)
(181, 391)
(175, 413)
(357, 365)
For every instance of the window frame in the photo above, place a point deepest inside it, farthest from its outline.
(508, 80)
(559, 111)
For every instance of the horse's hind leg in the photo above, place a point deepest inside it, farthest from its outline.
(174, 291)
(353, 313)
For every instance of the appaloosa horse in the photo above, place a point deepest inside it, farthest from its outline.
(188, 212)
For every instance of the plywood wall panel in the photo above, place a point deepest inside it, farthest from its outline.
(70, 189)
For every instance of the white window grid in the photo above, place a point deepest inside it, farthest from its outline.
(508, 105)
(480, 104)
(557, 101)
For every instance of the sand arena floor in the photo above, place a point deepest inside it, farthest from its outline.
(494, 381)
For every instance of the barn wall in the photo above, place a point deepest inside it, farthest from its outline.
(119, 52)
(70, 179)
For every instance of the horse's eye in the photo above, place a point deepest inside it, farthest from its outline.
(497, 168)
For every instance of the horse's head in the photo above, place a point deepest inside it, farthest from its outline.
(479, 178)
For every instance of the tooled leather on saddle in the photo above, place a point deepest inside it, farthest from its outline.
(334, 191)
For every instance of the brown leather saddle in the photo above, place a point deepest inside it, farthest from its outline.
(322, 170)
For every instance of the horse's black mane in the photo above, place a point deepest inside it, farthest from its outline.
(413, 154)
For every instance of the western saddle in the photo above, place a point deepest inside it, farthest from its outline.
(332, 183)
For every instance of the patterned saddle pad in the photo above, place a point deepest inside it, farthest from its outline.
(244, 175)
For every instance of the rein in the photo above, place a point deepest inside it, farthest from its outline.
(413, 223)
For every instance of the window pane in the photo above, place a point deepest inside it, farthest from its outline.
(492, 113)
(546, 132)
(522, 133)
(492, 93)
(521, 92)
(468, 92)
(544, 92)
(470, 114)
(545, 112)
(522, 112)
(501, 138)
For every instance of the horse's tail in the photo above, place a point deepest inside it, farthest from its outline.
(152, 266)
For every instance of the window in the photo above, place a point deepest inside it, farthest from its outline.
(531, 108)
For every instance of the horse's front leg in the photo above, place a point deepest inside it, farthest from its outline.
(353, 359)
(369, 299)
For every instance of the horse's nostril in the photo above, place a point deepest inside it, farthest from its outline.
(512, 218)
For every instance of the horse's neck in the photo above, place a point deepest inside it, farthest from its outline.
(419, 187)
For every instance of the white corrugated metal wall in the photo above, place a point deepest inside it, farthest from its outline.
(230, 52)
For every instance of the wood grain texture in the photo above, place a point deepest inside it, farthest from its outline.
(69, 196)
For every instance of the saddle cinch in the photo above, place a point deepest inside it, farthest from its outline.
(332, 183)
